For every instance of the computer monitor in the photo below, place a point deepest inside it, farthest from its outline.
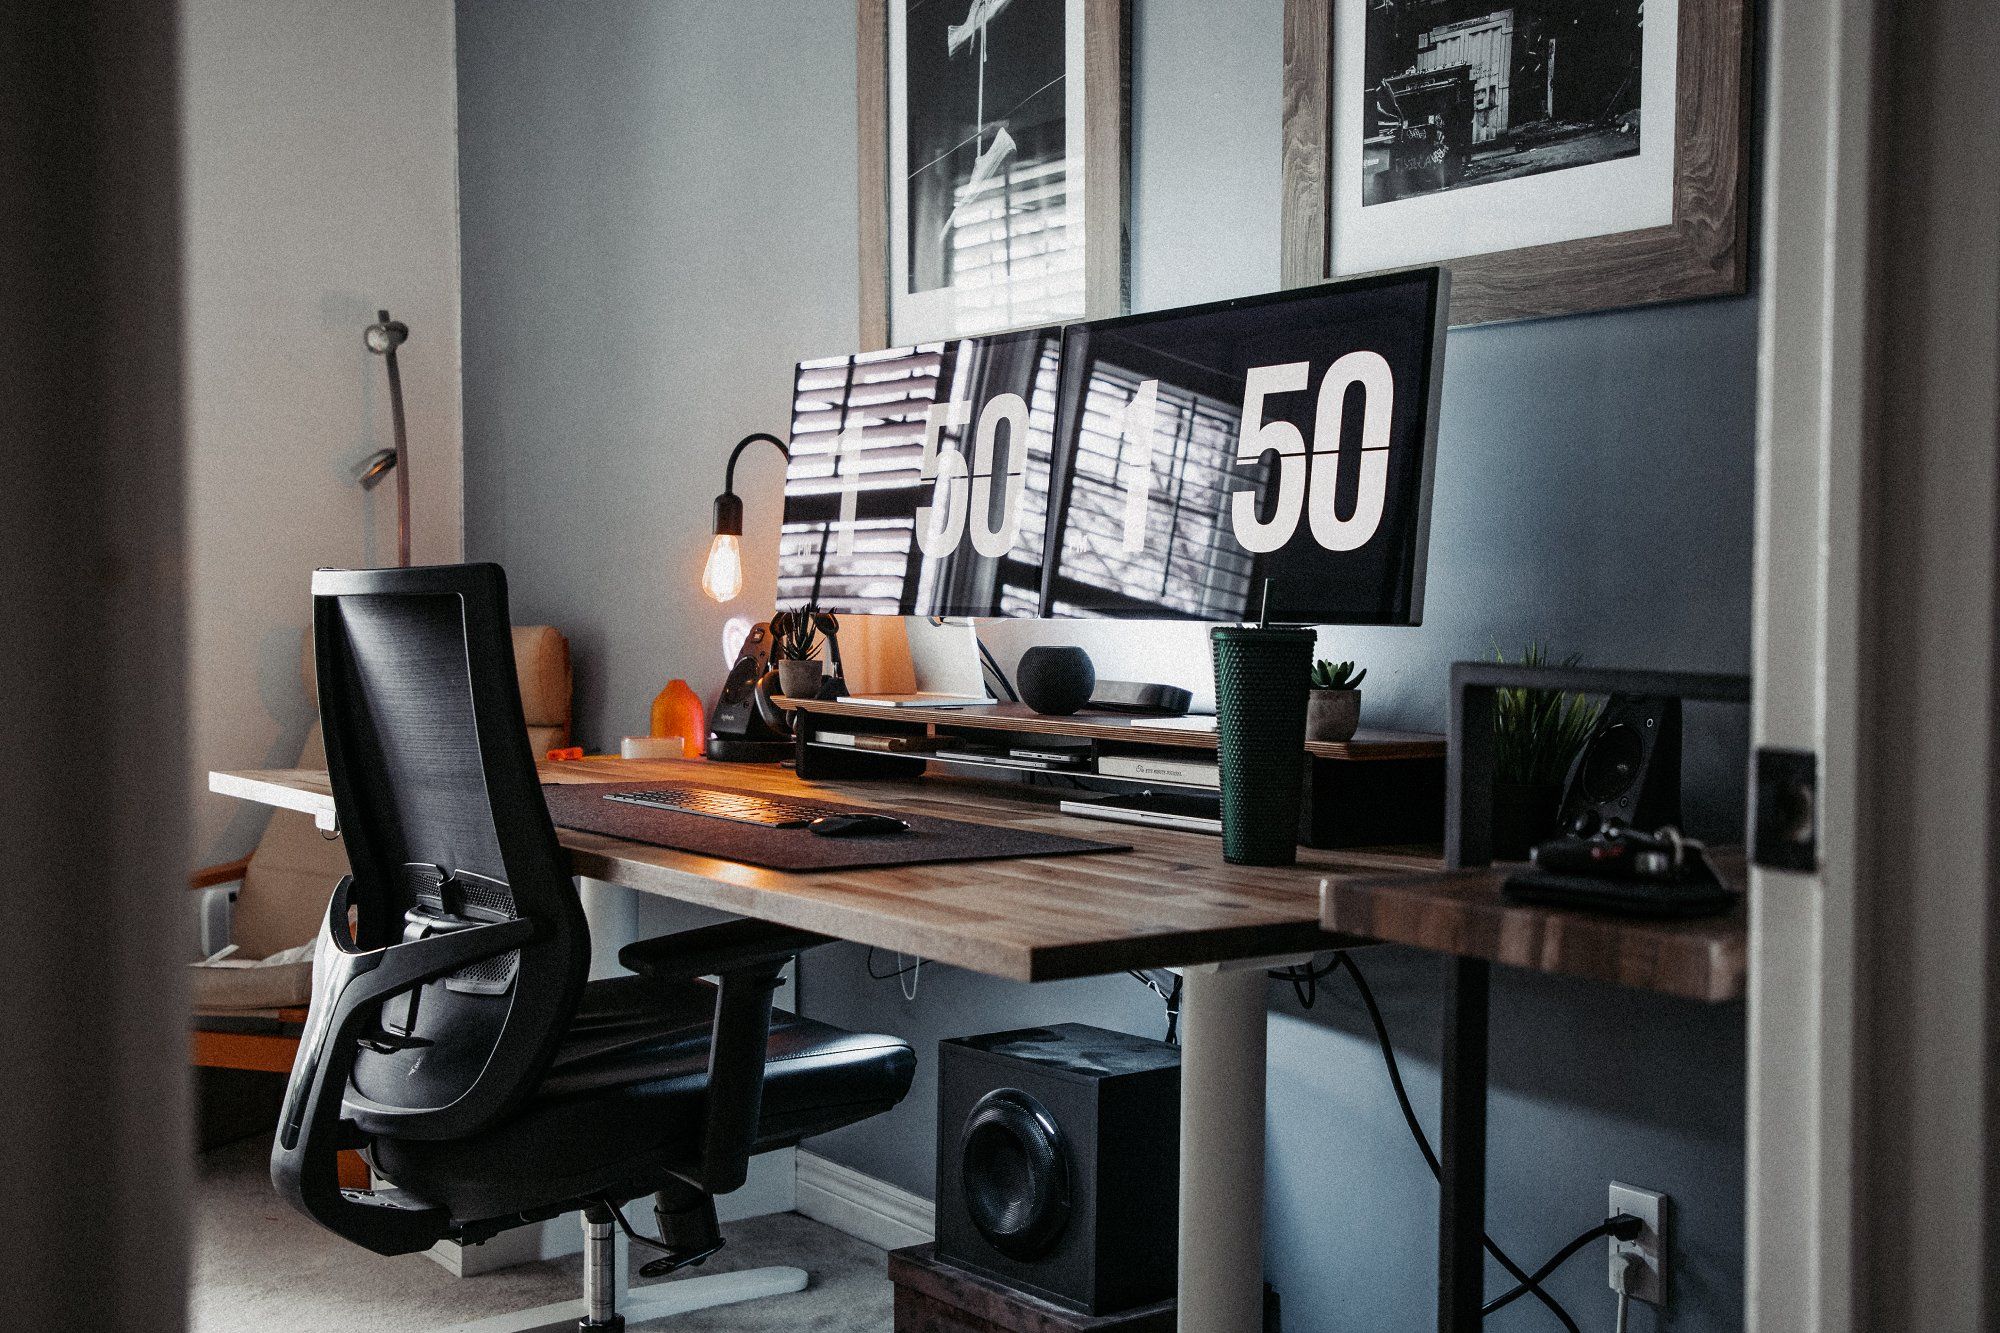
(919, 478)
(1285, 439)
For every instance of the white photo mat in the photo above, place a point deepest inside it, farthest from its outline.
(1600, 199)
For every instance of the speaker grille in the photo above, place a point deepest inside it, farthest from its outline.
(1015, 1173)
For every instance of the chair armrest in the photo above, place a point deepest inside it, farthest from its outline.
(210, 877)
(349, 986)
(714, 950)
(747, 956)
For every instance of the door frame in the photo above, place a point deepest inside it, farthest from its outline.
(1873, 1021)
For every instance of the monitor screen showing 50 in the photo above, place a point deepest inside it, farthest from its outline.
(963, 491)
(1172, 465)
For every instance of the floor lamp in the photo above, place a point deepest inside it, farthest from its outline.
(383, 337)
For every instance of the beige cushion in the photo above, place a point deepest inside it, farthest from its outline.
(236, 984)
(291, 875)
(541, 660)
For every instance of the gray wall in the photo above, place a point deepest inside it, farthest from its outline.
(658, 210)
(319, 148)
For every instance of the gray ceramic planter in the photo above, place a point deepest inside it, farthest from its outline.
(1332, 715)
(800, 680)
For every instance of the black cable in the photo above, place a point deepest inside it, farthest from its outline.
(1623, 1226)
(889, 976)
(1305, 981)
(993, 665)
(1514, 1270)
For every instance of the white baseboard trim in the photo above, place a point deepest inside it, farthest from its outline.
(769, 1189)
(882, 1214)
(858, 1205)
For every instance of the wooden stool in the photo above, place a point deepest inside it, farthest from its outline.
(933, 1297)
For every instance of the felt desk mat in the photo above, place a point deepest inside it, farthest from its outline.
(581, 806)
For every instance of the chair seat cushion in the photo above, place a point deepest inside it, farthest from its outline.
(620, 1108)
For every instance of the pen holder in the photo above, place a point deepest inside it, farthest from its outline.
(1261, 676)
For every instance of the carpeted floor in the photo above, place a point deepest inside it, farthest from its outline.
(262, 1268)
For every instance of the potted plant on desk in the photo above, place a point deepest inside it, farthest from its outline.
(1536, 737)
(1333, 707)
(796, 639)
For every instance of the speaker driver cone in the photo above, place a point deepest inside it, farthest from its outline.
(1015, 1173)
(1612, 763)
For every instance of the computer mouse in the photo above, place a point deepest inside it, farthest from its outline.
(857, 826)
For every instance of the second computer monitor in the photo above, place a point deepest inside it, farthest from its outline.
(1203, 453)
(919, 476)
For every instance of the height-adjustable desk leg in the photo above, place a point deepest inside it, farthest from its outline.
(1462, 1150)
(1222, 1147)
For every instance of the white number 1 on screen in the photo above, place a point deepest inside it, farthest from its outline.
(847, 462)
(1140, 416)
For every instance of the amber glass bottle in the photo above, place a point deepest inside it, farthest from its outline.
(677, 711)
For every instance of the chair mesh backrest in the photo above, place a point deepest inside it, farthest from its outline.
(443, 818)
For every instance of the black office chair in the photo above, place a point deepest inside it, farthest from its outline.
(453, 1036)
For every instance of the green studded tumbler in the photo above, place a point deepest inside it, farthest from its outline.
(1261, 675)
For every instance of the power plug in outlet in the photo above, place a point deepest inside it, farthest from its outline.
(1649, 1281)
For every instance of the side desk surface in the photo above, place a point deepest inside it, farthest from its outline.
(1170, 901)
(1467, 913)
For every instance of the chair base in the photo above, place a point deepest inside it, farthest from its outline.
(659, 1301)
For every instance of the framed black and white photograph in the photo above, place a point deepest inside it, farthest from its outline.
(1538, 87)
(1562, 155)
(995, 131)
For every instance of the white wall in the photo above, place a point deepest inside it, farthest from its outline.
(321, 184)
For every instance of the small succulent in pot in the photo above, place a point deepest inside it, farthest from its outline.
(796, 639)
(1333, 708)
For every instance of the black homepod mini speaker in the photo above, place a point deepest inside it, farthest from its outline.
(1055, 680)
(1059, 1163)
(1629, 770)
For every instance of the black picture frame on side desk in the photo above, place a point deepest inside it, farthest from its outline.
(1468, 839)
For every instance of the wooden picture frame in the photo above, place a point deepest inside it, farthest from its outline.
(1106, 151)
(1703, 251)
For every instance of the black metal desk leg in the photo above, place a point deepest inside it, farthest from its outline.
(1462, 1150)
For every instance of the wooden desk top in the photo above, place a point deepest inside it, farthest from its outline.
(1463, 912)
(1171, 901)
(1368, 743)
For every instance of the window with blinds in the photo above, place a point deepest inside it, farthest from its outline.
(1190, 562)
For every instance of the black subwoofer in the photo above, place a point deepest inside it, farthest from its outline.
(1059, 1163)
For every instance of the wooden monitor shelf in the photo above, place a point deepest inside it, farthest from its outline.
(1380, 788)
(1368, 743)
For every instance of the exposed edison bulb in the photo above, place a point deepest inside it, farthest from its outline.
(722, 576)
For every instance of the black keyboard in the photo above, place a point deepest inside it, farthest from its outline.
(739, 807)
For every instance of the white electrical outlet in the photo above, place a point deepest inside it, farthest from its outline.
(1649, 1282)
